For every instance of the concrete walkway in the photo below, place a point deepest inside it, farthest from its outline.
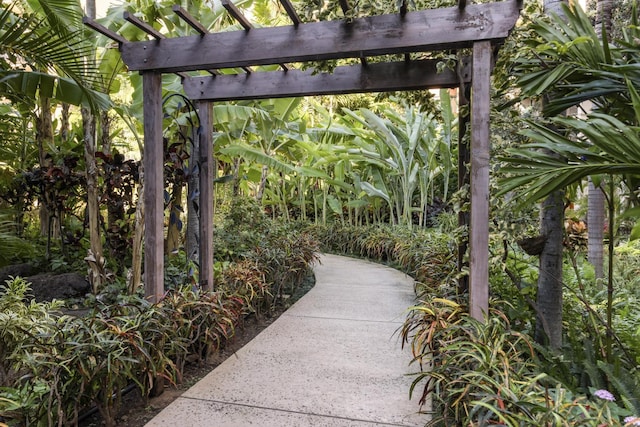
(332, 359)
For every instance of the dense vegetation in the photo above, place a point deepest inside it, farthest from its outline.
(56, 364)
(366, 175)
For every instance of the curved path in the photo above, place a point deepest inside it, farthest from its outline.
(332, 359)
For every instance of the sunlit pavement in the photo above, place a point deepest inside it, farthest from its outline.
(333, 359)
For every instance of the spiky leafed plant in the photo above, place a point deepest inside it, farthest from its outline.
(405, 155)
(41, 57)
(575, 66)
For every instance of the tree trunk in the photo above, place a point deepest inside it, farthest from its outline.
(49, 222)
(95, 257)
(90, 8)
(64, 122)
(604, 9)
(135, 278)
(595, 224)
(549, 299)
(596, 200)
(193, 191)
(105, 132)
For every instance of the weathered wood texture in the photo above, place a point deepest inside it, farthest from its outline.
(143, 26)
(291, 11)
(236, 14)
(206, 163)
(154, 187)
(186, 17)
(480, 146)
(103, 30)
(382, 77)
(420, 31)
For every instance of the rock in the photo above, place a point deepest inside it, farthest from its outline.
(48, 286)
(18, 270)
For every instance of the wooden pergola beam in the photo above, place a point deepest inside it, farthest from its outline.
(288, 7)
(186, 17)
(103, 30)
(420, 31)
(344, 5)
(378, 77)
(233, 10)
(129, 17)
(246, 24)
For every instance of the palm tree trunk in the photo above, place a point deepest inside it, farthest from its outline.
(44, 137)
(95, 258)
(595, 224)
(596, 200)
(549, 297)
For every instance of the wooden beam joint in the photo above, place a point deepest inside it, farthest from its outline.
(419, 31)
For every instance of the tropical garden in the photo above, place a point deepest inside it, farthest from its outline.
(374, 176)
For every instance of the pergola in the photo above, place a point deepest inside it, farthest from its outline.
(481, 27)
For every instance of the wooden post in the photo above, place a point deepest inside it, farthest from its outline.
(154, 187)
(205, 110)
(479, 230)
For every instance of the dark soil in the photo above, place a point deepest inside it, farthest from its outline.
(136, 412)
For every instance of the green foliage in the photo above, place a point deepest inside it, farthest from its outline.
(12, 247)
(570, 64)
(52, 366)
(426, 255)
(269, 259)
(484, 372)
(45, 57)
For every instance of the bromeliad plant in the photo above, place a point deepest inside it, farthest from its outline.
(52, 366)
(477, 373)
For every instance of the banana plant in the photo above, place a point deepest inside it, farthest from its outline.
(43, 57)
(403, 148)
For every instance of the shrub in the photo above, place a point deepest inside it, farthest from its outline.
(52, 366)
(477, 373)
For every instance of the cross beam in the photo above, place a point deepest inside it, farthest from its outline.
(420, 31)
(382, 77)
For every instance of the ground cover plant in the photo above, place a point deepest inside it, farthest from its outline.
(366, 175)
(469, 372)
(55, 365)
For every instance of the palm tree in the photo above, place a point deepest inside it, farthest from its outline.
(42, 61)
(596, 196)
(576, 62)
